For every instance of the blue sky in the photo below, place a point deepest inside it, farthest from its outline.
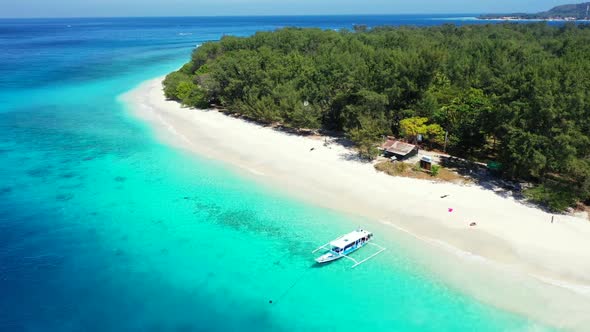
(95, 8)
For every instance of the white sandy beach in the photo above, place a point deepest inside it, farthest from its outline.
(551, 259)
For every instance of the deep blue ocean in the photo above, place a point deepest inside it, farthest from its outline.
(104, 228)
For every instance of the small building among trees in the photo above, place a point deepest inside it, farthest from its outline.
(400, 150)
(426, 163)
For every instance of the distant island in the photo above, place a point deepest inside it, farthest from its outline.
(572, 12)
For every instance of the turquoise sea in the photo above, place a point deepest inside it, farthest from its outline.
(103, 228)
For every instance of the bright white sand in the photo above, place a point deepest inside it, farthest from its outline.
(547, 263)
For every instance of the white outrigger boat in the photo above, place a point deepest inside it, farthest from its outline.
(347, 244)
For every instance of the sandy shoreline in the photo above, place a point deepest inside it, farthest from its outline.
(555, 257)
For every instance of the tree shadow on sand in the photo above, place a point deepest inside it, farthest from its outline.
(479, 174)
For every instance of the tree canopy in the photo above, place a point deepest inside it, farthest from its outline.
(514, 93)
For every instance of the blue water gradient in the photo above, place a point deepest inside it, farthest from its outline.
(103, 228)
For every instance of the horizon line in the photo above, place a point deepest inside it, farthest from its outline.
(240, 16)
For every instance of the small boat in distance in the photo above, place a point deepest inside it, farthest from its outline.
(345, 245)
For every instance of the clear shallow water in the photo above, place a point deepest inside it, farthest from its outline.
(104, 228)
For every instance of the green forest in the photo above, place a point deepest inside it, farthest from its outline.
(515, 94)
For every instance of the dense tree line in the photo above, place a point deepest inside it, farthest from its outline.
(514, 93)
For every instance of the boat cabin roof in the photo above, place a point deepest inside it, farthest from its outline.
(351, 237)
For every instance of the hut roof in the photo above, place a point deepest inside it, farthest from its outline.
(398, 147)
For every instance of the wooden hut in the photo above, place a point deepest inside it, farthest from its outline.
(399, 149)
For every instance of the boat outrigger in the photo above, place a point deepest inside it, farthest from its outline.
(347, 244)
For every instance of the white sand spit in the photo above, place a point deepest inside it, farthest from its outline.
(514, 237)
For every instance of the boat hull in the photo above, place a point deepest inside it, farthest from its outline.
(329, 257)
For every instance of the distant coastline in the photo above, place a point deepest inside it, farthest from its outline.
(564, 13)
(516, 18)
